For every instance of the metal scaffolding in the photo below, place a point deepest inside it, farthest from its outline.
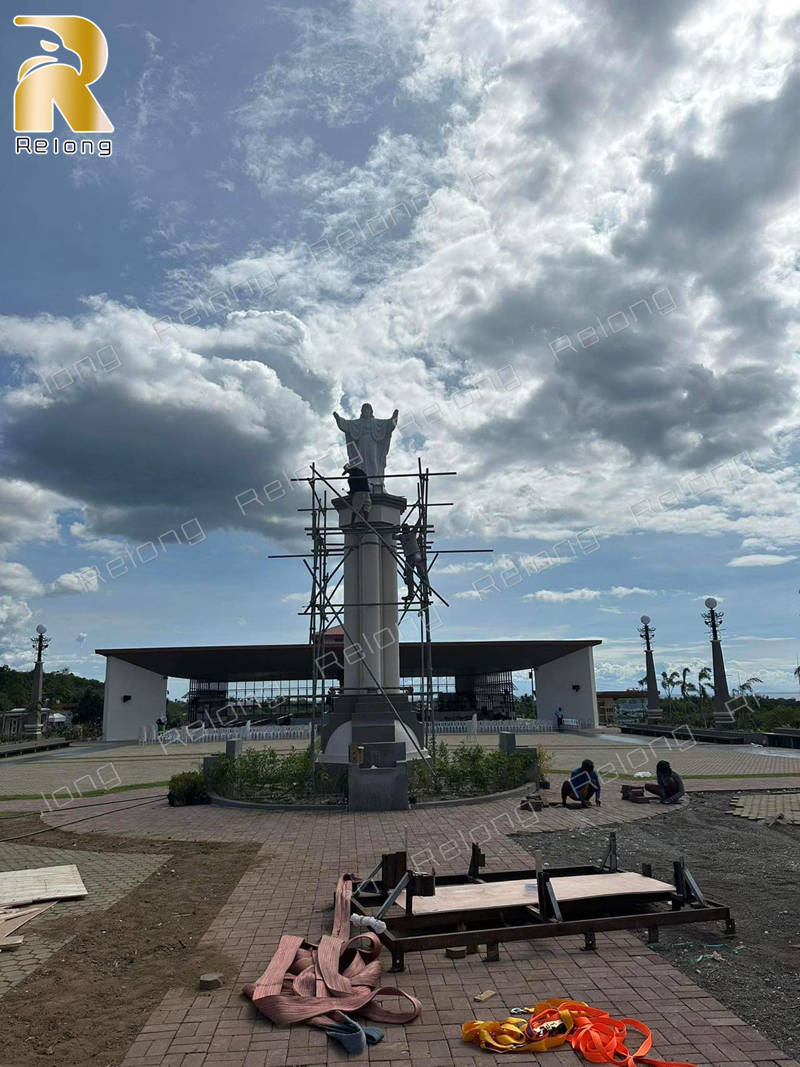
(325, 565)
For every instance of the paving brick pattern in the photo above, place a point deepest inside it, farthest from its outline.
(291, 881)
(288, 888)
(783, 806)
(107, 876)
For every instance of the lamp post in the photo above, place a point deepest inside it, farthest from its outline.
(723, 716)
(653, 699)
(33, 725)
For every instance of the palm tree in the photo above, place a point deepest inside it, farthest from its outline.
(643, 682)
(703, 685)
(747, 684)
(669, 681)
(686, 686)
(796, 673)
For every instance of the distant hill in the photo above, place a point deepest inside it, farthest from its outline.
(60, 687)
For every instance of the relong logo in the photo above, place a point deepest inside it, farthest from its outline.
(45, 82)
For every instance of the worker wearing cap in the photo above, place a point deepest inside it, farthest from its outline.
(360, 495)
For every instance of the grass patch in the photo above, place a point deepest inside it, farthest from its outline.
(89, 793)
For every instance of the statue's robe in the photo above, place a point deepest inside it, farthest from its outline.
(368, 442)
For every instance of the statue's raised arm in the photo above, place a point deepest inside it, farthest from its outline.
(368, 440)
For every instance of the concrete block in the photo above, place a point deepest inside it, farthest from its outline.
(378, 788)
(507, 742)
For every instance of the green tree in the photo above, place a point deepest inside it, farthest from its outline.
(89, 711)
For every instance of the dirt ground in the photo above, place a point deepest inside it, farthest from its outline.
(86, 1004)
(752, 867)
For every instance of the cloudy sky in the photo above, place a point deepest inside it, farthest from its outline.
(561, 238)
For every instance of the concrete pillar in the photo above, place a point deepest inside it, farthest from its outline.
(389, 637)
(653, 700)
(38, 683)
(351, 593)
(723, 716)
(370, 596)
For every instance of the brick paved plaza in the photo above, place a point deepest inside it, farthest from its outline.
(289, 888)
(84, 767)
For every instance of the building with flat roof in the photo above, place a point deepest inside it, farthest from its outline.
(472, 677)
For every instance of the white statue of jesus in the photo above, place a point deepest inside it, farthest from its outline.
(368, 442)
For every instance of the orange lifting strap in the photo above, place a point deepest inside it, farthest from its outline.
(554, 1022)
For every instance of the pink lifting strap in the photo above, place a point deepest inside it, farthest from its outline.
(303, 982)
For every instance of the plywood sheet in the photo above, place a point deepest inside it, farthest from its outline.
(11, 919)
(620, 883)
(40, 883)
(515, 892)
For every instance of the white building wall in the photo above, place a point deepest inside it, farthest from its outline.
(148, 692)
(554, 689)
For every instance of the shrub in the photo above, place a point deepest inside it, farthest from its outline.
(263, 774)
(472, 770)
(187, 788)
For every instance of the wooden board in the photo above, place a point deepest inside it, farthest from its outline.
(520, 891)
(618, 884)
(12, 918)
(40, 883)
(8, 944)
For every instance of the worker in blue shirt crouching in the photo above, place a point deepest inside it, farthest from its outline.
(582, 785)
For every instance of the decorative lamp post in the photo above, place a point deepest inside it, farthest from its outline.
(653, 699)
(33, 725)
(723, 716)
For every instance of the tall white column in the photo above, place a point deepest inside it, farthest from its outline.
(370, 596)
(352, 613)
(371, 650)
(390, 652)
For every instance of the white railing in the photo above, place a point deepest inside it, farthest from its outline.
(185, 735)
(491, 726)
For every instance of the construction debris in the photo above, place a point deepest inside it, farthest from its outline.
(486, 995)
(40, 883)
(19, 891)
(212, 980)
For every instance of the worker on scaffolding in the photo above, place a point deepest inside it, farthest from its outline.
(360, 495)
(409, 538)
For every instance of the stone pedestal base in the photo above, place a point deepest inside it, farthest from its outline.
(32, 727)
(367, 720)
(378, 788)
(654, 715)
